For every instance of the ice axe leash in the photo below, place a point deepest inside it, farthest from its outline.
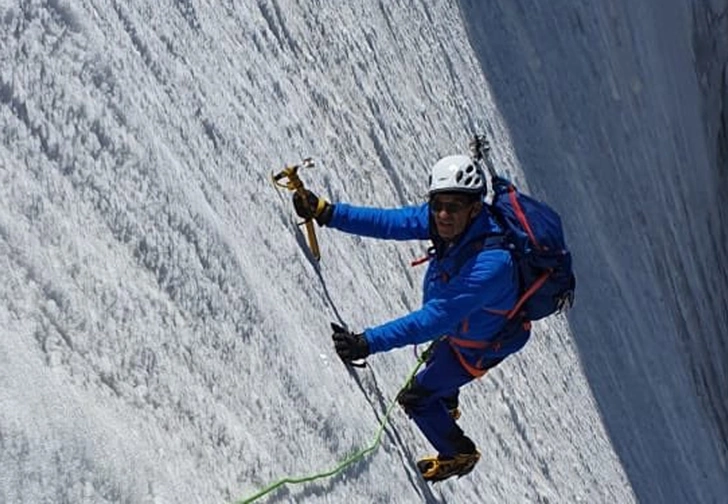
(288, 179)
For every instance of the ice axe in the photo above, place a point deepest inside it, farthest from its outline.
(288, 179)
(480, 151)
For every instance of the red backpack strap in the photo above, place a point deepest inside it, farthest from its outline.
(521, 215)
(527, 295)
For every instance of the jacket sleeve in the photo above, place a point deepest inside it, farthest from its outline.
(485, 281)
(407, 223)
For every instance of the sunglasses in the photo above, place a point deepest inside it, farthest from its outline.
(449, 207)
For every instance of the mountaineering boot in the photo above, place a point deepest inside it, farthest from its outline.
(436, 468)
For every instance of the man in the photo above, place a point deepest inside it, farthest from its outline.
(470, 283)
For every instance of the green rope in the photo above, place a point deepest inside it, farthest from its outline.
(345, 463)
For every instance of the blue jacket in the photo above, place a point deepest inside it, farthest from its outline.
(454, 301)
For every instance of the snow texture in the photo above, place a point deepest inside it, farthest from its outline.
(164, 330)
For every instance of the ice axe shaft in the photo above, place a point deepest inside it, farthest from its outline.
(288, 179)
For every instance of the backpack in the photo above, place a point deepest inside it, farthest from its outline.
(533, 233)
(535, 237)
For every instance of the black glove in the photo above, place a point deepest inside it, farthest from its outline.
(311, 206)
(349, 346)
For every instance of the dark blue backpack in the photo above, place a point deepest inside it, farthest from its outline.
(535, 237)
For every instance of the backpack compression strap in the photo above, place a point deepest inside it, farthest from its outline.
(527, 295)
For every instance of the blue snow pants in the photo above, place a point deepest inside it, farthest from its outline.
(433, 391)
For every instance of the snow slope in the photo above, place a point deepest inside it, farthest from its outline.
(164, 333)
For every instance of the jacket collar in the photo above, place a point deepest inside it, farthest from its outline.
(480, 226)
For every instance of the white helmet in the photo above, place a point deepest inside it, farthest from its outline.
(457, 174)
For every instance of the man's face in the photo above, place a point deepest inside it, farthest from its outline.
(452, 213)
